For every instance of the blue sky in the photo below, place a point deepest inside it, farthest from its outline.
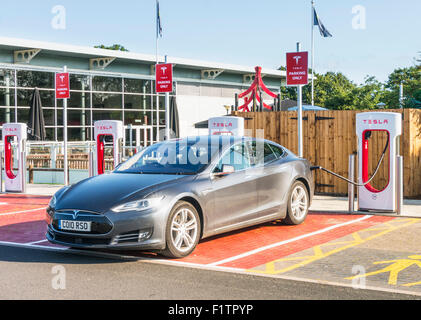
(245, 32)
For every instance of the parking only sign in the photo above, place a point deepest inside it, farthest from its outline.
(297, 68)
(164, 78)
(62, 86)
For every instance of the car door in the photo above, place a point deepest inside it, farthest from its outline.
(273, 176)
(234, 195)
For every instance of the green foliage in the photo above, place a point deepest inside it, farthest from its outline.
(336, 92)
(116, 47)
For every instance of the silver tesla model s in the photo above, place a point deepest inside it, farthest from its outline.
(172, 194)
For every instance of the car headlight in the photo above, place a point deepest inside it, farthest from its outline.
(139, 205)
(53, 202)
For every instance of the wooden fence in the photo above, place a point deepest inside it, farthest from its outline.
(329, 139)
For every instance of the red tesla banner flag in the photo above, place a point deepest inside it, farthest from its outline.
(297, 68)
(164, 78)
(62, 86)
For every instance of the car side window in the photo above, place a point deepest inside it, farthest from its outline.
(279, 152)
(261, 153)
(237, 157)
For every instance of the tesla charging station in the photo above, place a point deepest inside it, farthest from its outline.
(369, 198)
(228, 126)
(104, 131)
(15, 134)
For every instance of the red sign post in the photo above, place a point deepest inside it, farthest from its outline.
(62, 86)
(297, 68)
(164, 78)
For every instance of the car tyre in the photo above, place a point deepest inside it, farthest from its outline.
(298, 204)
(183, 231)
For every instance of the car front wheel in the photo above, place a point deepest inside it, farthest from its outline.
(183, 231)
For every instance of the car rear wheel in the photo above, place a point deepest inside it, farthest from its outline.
(183, 231)
(298, 204)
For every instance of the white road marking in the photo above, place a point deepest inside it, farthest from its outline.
(278, 244)
(24, 211)
(36, 242)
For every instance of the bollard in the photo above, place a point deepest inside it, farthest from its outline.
(399, 181)
(351, 187)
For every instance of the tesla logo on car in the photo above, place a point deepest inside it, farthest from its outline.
(75, 214)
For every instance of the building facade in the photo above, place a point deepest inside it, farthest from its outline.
(114, 85)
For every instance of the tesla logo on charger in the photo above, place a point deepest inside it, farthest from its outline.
(105, 128)
(11, 129)
(222, 125)
(375, 121)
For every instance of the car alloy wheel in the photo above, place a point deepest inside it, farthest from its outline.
(183, 230)
(298, 204)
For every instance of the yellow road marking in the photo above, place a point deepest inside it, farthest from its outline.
(396, 266)
(270, 268)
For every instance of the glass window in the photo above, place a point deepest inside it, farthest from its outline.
(107, 84)
(279, 152)
(7, 78)
(79, 100)
(25, 97)
(7, 115)
(36, 79)
(7, 97)
(79, 82)
(261, 153)
(48, 117)
(174, 157)
(23, 115)
(237, 157)
(137, 117)
(107, 101)
(137, 102)
(78, 117)
(137, 86)
(107, 115)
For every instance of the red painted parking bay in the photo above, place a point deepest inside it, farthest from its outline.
(22, 222)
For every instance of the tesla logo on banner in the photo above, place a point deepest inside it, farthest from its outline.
(164, 78)
(62, 86)
(297, 68)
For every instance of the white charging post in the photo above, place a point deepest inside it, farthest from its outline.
(390, 198)
(227, 126)
(15, 134)
(104, 129)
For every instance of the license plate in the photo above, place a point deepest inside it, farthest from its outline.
(81, 226)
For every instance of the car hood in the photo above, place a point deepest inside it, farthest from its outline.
(101, 193)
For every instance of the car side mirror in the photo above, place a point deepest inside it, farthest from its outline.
(226, 171)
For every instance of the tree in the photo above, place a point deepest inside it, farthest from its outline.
(411, 79)
(116, 47)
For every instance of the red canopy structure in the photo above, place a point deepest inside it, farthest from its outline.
(253, 93)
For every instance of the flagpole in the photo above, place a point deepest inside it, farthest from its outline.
(157, 62)
(312, 53)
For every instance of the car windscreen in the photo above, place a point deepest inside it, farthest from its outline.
(172, 157)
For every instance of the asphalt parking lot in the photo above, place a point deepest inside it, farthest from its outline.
(362, 253)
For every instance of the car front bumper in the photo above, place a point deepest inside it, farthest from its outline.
(119, 231)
